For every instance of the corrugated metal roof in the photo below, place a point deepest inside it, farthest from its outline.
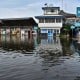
(67, 15)
(25, 18)
(18, 22)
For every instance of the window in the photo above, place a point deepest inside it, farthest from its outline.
(41, 20)
(53, 20)
(49, 20)
(58, 20)
(46, 20)
(43, 30)
(52, 10)
(57, 31)
(54, 30)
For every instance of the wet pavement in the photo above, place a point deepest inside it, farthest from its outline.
(20, 59)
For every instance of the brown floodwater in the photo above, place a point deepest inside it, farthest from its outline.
(20, 58)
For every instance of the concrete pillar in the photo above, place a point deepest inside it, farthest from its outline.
(55, 20)
(44, 20)
(59, 31)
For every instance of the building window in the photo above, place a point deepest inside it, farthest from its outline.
(48, 10)
(52, 10)
(57, 31)
(43, 30)
(52, 20)
(49, 20)
(58, 20)
(54, 30)
(46, 20)
(41, 20)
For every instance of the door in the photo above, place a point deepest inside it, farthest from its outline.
(50, 32)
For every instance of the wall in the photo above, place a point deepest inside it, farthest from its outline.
(50, 25)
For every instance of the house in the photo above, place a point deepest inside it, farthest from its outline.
(51, 21)
(14, 26)
(69, 17)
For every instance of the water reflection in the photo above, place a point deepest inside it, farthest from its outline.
(19, 59)
(16, 43)
(51, 59)
(25, 45)
(66, 44)
(77, 78)
(50, 42)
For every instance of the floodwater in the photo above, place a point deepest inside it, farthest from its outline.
(20, 59)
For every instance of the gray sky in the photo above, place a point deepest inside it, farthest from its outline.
(27, 8)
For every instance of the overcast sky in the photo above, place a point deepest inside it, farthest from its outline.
(30, 8)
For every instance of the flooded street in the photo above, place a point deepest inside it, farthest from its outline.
(20, 58)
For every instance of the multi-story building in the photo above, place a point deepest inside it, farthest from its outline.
(51, 21)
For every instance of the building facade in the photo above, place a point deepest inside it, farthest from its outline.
(69, 18)
(15, 26)
(51, 21)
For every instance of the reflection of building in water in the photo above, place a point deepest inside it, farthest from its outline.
(63, 45)
(16, 43)
(77, 46)
(66, 47)
(78, 37)
(50, 42)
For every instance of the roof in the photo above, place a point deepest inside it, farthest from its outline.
(18, 22)
(16, 18)
(51, 8)
(66, 15)
(38, 17)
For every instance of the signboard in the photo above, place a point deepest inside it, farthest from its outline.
(78, 11)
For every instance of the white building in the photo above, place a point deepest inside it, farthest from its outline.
(51, 22)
